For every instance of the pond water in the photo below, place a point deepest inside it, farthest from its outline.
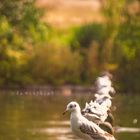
(32, 116)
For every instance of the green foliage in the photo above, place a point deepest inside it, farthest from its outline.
(61, 65)
(85, 35)
(20, 12)
(33, 53)
(88, 39)
(20, 30)
(128, 50)
(112, 10)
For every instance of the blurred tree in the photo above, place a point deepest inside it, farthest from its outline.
(127, 50)
(112, 9)
(88, 39)
(21, 29)
(86, 34)
(24, 18)
(61, 65)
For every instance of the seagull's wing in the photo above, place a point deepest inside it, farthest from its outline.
(92, 132)
(91, 115)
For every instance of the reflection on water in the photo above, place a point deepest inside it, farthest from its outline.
(39, 117)
(127, 129)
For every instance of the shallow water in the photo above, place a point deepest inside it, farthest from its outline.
(38, 116)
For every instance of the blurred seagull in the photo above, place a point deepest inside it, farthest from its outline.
(103, 84)
(84, 128)
(100, 115)
(95, 112)
(99, 108)
(103, 100)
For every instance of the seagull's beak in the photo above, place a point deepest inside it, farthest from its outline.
(65, 112)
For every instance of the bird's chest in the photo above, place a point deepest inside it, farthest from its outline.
(74, 124)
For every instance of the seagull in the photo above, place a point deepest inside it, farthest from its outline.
(103, 118)
(103, 84)
(99, 113)
(98, 110)
(103, 100)
(95, 112)
(84, 128)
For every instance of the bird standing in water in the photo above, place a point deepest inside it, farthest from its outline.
(84, 128)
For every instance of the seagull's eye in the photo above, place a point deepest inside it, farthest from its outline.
(88, 110)
(71, 106)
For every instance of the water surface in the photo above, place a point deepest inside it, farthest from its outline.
(38, 116)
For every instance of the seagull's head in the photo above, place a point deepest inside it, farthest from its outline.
(72, 107)
(106, 74)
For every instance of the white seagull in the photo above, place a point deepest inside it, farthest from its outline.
(103, 100)
(103, 84)
(84, 128)
(95, 112)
